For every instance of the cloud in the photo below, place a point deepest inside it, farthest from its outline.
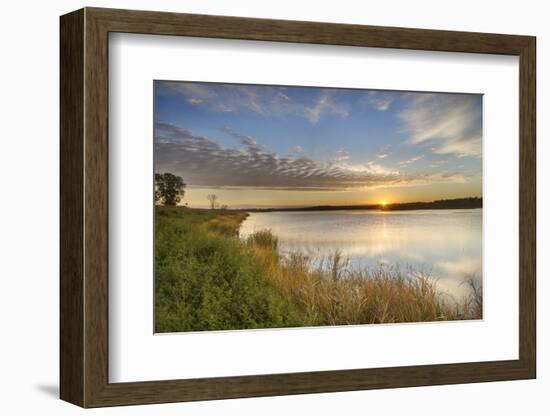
(380, 100)
(282, 96)
(341, 155)
(407, 162)
(451, 122)
(311, 104)
(298, 149)
(203, 162)
(465, 146)
(246, 140)
(369, 167)
(190, 89)
(324, 104)
(382, 155)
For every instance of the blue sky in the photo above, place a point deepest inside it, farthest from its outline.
(259, 145)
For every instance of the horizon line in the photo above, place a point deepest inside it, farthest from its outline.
(340, 206)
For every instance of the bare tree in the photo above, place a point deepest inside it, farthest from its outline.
(213, 199)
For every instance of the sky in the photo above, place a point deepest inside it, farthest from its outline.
(284, 146)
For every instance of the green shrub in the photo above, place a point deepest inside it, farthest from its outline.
(264, 239)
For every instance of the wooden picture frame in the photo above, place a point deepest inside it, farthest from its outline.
(84, 207)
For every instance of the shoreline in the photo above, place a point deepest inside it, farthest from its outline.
(338, 209)
(459, 203)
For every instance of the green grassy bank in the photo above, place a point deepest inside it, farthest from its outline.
(208, 279)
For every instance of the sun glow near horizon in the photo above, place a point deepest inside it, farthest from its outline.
(275, 146)
(242, 198)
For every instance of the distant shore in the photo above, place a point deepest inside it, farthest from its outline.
(458, 203)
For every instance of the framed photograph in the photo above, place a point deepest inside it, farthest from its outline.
(256, 207)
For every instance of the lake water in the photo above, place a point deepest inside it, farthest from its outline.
(445, 243)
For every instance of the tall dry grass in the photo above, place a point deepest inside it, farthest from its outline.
(329, 291)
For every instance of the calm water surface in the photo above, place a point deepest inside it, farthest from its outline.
(445, 243)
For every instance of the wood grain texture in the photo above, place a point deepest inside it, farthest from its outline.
(527, 207)
(96, 218)
(84, 207)
(71, 213)
(225, 27)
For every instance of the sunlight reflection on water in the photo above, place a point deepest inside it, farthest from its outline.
(445, 243)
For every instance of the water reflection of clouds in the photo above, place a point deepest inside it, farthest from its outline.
(447, 244)
(466, 266)
(455, 274)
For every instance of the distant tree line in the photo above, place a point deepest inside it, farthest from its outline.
(458, 203)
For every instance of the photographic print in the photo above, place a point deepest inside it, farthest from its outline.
(290, 206)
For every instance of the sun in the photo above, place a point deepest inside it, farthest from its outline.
(383, 203)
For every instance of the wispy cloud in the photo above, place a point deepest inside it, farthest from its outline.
(380, 100)
(201, 161)
(263, 100)
(246, 140)
(407, 162)
(452, 122)
(341, 155)
(194, 90)
(370, 167)
(325, 104)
